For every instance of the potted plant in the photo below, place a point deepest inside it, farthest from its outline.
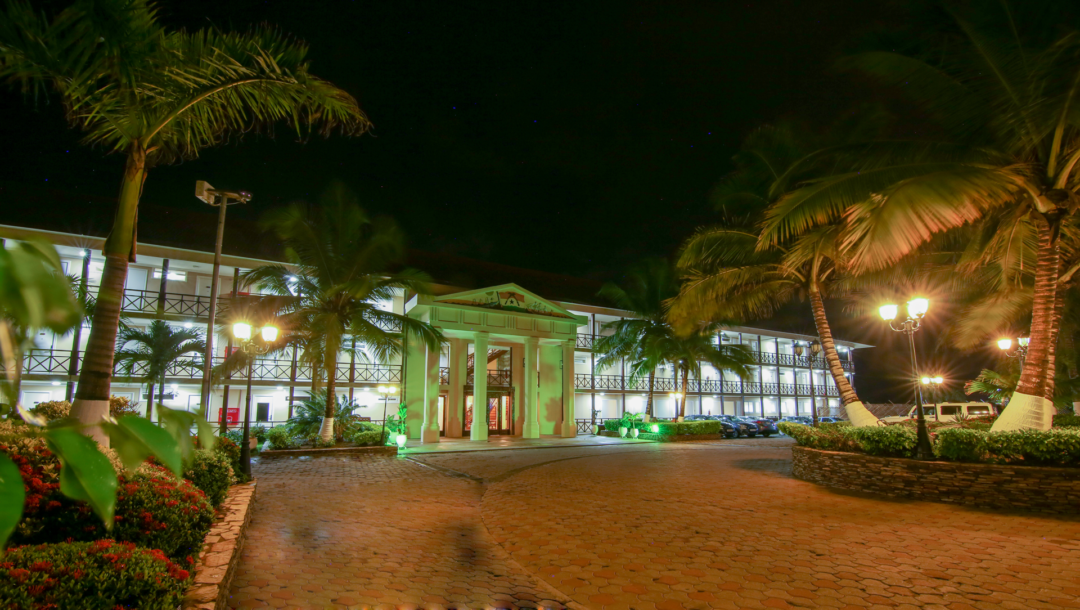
(630, 421)
(396, 428)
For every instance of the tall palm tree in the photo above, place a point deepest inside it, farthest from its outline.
(640, 341)
(147, 354)
(156, 96)
(688, 352)
(341, 267)
(1005, 88)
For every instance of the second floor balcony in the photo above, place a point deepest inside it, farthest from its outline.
(586, 343)
(619, 383)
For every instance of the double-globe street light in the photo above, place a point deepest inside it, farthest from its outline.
(916, 310)
(1006, 345)
(243, 333)
(385, 392)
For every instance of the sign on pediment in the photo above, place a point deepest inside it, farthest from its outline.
(507, 298)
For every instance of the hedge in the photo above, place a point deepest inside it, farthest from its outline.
(1056, 447)
(672, 428)
(99, 575)
(211, 472)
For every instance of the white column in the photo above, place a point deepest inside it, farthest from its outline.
(531, 429)
(569, 426)
(455, 398)
(415, 387)
(479, 430)
(430, 430)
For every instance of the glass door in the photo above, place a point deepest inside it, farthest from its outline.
(500, 414)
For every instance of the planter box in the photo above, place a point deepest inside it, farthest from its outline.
(220, 554)
(1029, 488)
(275, 453)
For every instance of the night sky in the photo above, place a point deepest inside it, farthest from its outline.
(570, 137)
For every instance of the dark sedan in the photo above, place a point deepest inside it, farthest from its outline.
(766, 427)
(742, 427)
(729, 428)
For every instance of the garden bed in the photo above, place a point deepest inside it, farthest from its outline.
(221, 549)
(1031, 488)
(312, 451)
(667, 438)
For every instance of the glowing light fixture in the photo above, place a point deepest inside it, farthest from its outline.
(269, 334)
(241, 330)
(939, 380)
(1005, 344)
(917, 308)
(1023, 341)
(401, 439)
(654, 429)
(925, 380)
(888, 312)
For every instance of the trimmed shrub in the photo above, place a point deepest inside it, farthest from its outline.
(281, 438)
(885, 441)
(961, 445)
(612, 425)
(231, 449)
(100, 575)
(211, 472)
(318, 443)
(367, 438)
(1035, 447)
(121, 405)
(1067, 421)
(236, 436)
(258, 433)
(52, 410)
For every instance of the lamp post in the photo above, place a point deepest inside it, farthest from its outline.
(815, 349)
(916, 310)
(1006, 345)
(934, 383)
(221, 199)
(242, 333)
(385, 392)
(677, 397)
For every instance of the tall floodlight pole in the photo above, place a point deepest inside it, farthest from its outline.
(916, 311)
(221, 199)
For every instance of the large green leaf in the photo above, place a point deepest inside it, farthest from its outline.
(135, 438)
(12, 496)
(85, 473)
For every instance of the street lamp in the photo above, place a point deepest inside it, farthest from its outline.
(242, 332)
(916, 310)
(221, 199)
(815, 349)
(934, 384)
(1006, 345)
(385, 392)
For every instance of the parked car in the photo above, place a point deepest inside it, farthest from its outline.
(798, 419)
(766, 427)
(830, 420)
(742, 427)
(946, 412)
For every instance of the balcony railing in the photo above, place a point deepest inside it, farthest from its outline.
(587, 342)
(500, 377)
(618, 383)
(43, 362)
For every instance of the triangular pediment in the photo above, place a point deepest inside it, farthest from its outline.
(510, 298)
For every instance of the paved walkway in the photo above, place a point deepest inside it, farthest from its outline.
(655, 526)
(497, 443)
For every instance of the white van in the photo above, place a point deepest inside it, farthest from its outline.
(946, 412)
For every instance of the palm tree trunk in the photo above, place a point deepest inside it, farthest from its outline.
(161, 395)
(858, 414)
(326, 432)
(685, 392)
(95, 375)
(648, 401)
(1029, 409)
(1051, 358)
(150, 401)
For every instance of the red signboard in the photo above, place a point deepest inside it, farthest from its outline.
(232, 416)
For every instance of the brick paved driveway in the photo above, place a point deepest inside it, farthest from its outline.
(703, 525)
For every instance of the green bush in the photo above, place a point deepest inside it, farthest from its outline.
(52, 410)
(231, 450)
(961, 445)
(1035, 447)
(281, 438)
(366, 426)
(259, 432)
(612, 425)
(211, 472)
(885, 441)
(234, 435)
(367, 438)
(99, 575)
(1067, 421)
(318, 443)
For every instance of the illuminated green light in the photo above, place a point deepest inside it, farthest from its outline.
(655, 428)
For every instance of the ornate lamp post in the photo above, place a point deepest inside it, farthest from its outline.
(677, 397)
(385, 392)
(242, 333)
(1006, 345)
(934, 384)
(916, 310)
(815, 349)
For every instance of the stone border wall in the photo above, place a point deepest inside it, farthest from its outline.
(1030, 488)
(275, 453)
(220, 554)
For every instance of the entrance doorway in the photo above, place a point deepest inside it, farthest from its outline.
(500, 413)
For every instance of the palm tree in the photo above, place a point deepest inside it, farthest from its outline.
(147, 354)
(156, 96)
(340, 269)
(639, 341)
(688, 352)
(1006, 90)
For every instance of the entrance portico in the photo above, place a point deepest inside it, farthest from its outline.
(505, 325)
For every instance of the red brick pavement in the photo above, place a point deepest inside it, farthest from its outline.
(695, 526)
